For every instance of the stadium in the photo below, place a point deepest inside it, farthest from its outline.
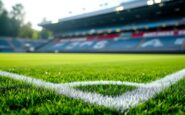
(131, 27)
(127, 59)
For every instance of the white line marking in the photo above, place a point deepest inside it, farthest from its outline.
(85, 83)
(121, 103)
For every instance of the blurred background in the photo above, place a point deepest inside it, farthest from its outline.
(106, 26)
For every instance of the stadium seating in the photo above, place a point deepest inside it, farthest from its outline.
(160, 41)
(5, 46)
(124, 44)
(19, 45)
(163, 43)
(50, 46)
(4, 43)
(149, 25)
(140, 42)
(144, 26)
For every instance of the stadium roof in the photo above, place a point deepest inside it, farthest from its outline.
(134, 12)
(122, 6)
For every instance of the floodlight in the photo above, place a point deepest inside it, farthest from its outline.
(157, 1)
(55, 21)
(119, 8)
(150, 2)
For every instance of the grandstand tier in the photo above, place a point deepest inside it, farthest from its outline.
(19, 44)
(161, 41)
(136, 27)
(136, 15)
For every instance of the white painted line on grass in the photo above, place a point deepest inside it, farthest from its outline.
(121, 103)
(85, 83)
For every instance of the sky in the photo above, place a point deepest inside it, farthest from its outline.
(52, 10)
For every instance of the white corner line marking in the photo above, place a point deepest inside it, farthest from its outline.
(120, 103)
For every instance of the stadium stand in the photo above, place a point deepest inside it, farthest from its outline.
(127, 27)
(19, 45)
(136, 26)
(163, 43)
(167, 41)
(5, 46)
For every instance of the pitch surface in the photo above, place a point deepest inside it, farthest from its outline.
(18, 97)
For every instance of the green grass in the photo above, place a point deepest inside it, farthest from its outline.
(18, 97)
(110, 90)
(170, 101)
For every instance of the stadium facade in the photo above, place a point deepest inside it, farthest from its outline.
(155, 26)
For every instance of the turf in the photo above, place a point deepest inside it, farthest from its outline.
(170, 101)
(110, 90)
(18, 97)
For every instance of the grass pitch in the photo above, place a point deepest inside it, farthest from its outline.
(18, 97)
